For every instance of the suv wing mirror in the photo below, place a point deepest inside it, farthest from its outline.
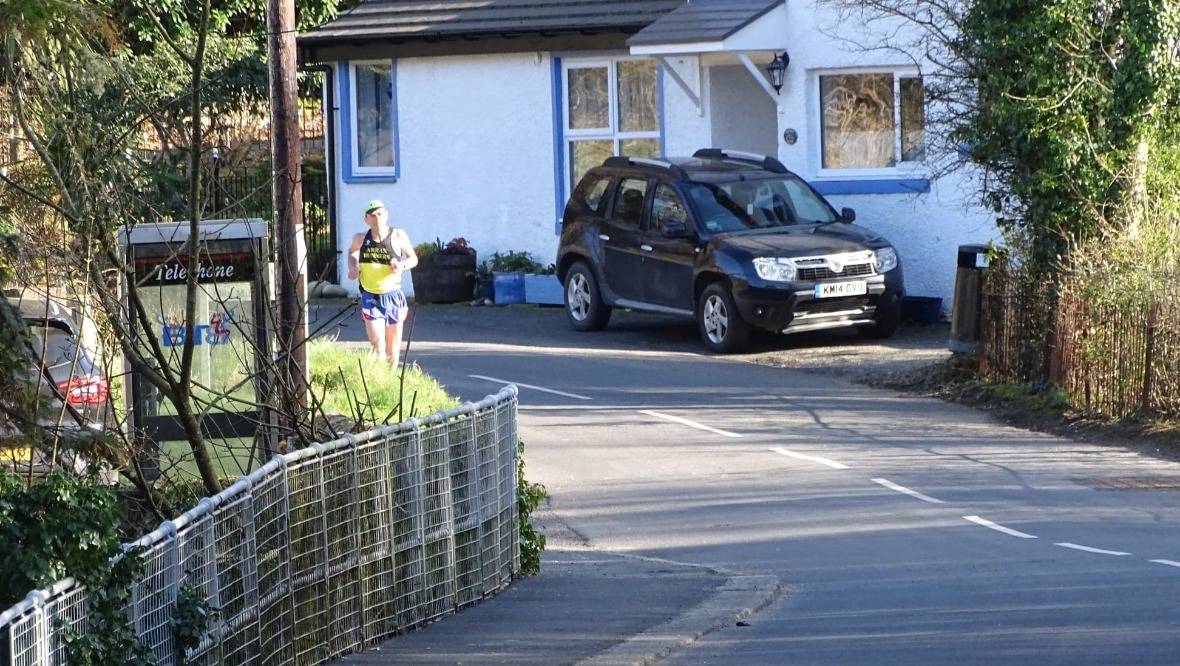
(848, 214)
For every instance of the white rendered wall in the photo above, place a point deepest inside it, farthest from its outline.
(476, 157)
(743, 116)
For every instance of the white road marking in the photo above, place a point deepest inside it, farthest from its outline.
(1171, 563)
(530, 386)
(999, 528)
(691, 424)
(802, 456)
(912, 493)
(1090, 550)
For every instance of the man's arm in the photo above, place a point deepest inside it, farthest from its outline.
(354, 256)
(411, 259)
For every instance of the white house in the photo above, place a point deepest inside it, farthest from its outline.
(474, 119)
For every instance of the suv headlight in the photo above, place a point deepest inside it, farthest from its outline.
(886, 259)
(775, 270)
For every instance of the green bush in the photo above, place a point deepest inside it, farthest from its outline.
(528, 497)
(514, 262)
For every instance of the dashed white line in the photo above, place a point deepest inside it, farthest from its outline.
(803, 456)
(999, 528)
(1171, 563)
(912, 493)
(530, 386)
(691, 424)
(1088, 549)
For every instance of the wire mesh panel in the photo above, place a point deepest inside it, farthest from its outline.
(342, 555)
(321, 551)
(237, 580)
(308, 567)
(408, 531)
(465, 497)
(490, 498)
(375, 516)
(276, 606)
(438, 523)
(507, 440)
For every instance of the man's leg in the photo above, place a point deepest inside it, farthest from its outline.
(375, 328)
(393, 343)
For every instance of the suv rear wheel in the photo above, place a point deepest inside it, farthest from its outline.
(583, 301)
(722, 328)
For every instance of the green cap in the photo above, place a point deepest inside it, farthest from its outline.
(373, 205)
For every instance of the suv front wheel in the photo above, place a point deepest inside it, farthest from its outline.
(583, 301)
(722, 328)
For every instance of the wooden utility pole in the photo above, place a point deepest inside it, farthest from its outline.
(288, 207)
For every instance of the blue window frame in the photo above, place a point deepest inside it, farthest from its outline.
(369, 120)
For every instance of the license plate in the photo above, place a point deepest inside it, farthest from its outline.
(834, 289)
(17, 454)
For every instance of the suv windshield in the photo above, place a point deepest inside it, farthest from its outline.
(758, 204)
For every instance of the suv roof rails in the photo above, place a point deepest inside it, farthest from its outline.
(765, 161)
(624, 161)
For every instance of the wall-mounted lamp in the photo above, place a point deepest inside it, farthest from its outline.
(777, 68)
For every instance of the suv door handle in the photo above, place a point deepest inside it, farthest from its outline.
(645, 248)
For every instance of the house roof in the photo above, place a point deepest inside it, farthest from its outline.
(702, 21)
(400, 21)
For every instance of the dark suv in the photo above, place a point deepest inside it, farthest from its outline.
(734, 239)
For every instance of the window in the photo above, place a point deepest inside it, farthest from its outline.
(666, 207)
(612, 107)
(628, 209)
(871, 121)
(590, 192)
(373, 127)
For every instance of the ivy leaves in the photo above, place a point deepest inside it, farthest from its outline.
(1070, 94)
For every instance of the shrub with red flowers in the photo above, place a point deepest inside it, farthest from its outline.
(458, 246)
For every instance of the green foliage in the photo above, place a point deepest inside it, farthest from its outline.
(528, 497)
(428, 248)
(190, 620)
(1073, 97)
(361, 386)
(514, 261)
(67, 526)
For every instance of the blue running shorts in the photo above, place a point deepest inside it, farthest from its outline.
(389, 307)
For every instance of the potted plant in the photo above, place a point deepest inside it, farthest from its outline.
(445, 272)
(508, 275)
(543, 288)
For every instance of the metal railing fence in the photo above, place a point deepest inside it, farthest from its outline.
(1111, 349)
(322, 551)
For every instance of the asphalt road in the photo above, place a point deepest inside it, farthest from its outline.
(904, 530)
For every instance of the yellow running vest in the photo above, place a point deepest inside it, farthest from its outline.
(376, 275)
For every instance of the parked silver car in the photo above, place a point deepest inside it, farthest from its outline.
(75, 393)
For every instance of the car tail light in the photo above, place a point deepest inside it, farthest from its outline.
(88, 390)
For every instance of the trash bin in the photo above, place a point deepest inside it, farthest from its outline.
(967, 304)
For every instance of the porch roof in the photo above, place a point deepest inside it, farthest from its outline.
(403, 21)
(702, 26)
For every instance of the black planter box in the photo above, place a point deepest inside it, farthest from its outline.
(444, 278)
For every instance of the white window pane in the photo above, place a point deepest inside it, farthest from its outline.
(638, 92)
(913, 120)
(585, 155)
(588, 98)
(858, 131)
(374, 115)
